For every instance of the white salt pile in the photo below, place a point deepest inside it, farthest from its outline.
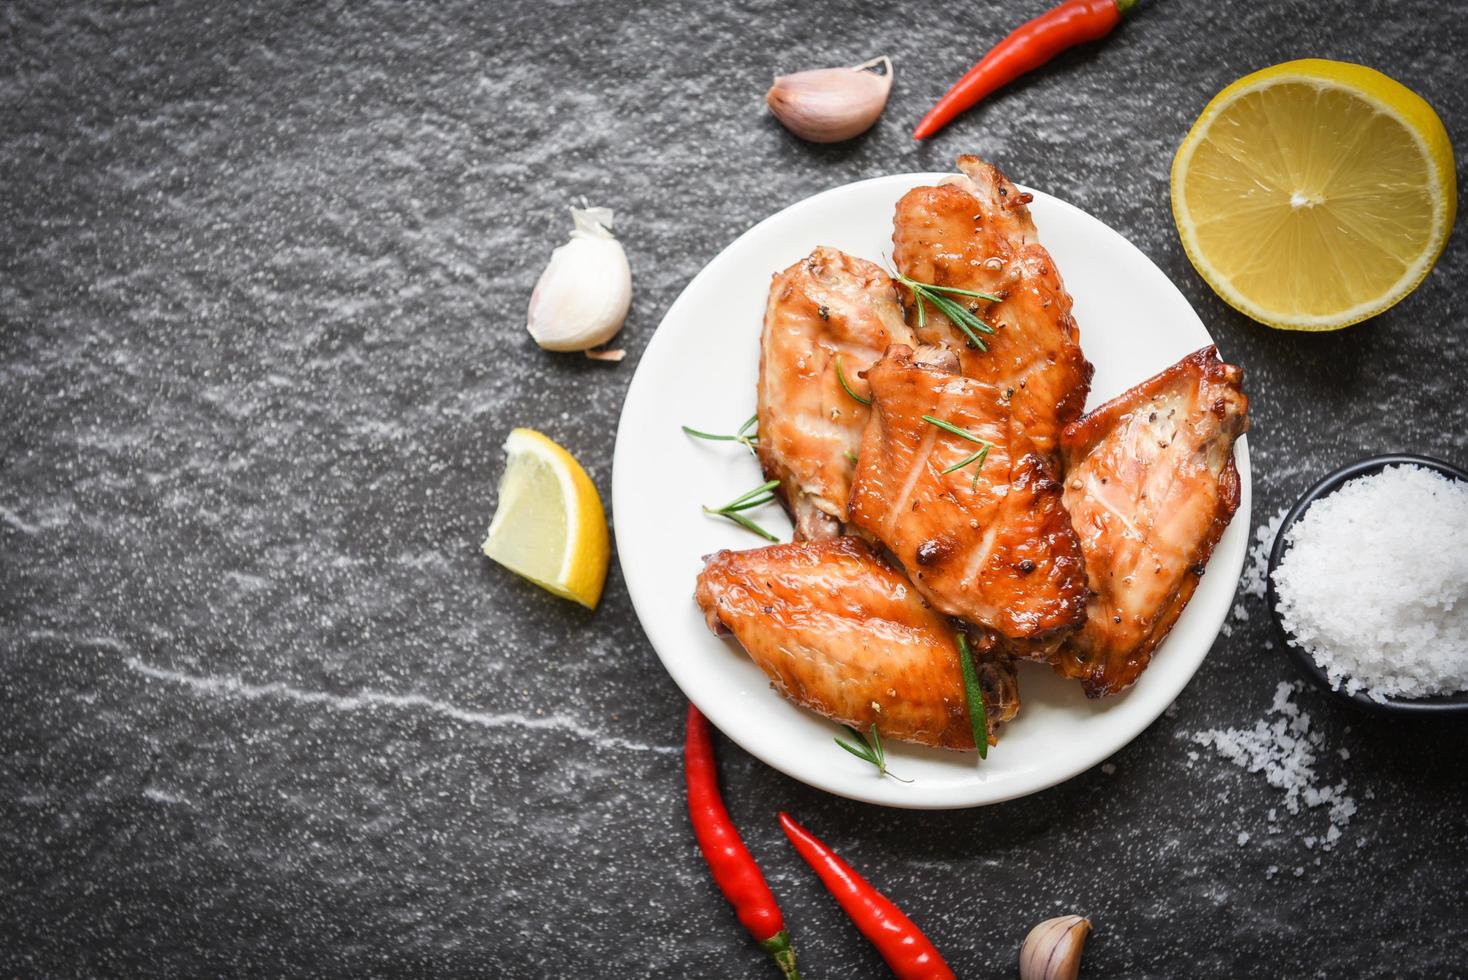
(1374, 584)
(1284, 750)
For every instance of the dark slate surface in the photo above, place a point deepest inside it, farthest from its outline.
(263, 707)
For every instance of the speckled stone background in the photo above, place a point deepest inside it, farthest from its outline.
(265, 710)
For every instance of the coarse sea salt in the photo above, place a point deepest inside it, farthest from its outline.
(1256, 569)
(1285, 749)
(1374, 584)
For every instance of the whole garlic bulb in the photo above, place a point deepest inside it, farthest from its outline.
(828, 105)
(1052, 950)
(582, 296)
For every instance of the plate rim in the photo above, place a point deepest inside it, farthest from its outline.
(1021, 786)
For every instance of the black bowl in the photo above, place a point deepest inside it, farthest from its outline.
(1441, 705)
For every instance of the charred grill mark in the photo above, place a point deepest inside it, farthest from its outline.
(933, 550)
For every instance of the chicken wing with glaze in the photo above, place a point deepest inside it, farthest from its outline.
(988, 542)
(841, 632)
(974, 232)
(1150, 485)
(824, 307)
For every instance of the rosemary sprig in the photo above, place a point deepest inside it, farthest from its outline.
(757, 497)
(947, 426)
(844, 384)
(744, 437)
(962, 317)
(870, 750)
(978, 717)
(978, 457)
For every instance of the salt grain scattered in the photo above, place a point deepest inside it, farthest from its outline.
(1244, 837)
(1375, 584)
(1256, 569)
(1285, 749)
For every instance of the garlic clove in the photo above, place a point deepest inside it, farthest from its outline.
(1052, 950)
(582, 297)
(827, 105)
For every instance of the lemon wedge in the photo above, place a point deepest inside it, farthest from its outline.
(549, 526)
(1314, 194)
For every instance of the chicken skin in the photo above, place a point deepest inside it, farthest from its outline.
(988, 542)
(974, 232)
(1150, 485)
(825, 306)
(842, 633)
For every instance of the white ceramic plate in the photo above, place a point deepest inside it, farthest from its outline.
(700, 370)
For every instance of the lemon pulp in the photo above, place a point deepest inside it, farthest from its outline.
(1314, 194)
(549, 525)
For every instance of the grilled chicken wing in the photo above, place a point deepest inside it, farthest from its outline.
(988, 543)
(1150, 486)
(824, 306)
(974, 232)
(842, 633)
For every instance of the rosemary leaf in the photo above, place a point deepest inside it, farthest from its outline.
(871, 751)
(877, 748)
(961, 318)
(929, 287)
(740, 436)
(863, 753)
(961, 433)
(708, 435)
(978, 718)
(765, 487)
(983, 455)
(844, 384)
(963, 292)
(749, 525)
(757, 497)
(745, 505)
(978, 456)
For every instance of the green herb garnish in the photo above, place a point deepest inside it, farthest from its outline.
(984, 446)
(757, 497)
(842, 378)
(744, 437)
(962, 317)
(978, 718)
(870, 750)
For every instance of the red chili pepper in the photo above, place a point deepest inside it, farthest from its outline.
(902, 944)
(734, 870)
(1030, 46)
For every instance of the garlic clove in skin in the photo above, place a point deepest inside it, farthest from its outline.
(1052, 950)
(828, 105)
(582, 297)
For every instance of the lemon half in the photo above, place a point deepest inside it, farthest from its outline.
(1314, 194)
(549, 526)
